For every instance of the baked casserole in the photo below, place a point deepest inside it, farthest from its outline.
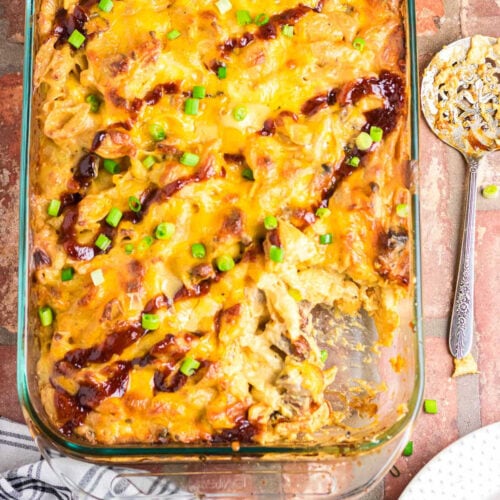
(212, 177)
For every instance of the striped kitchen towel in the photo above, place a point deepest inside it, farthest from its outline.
(24, 474)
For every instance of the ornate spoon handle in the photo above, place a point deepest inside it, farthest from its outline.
(462, 316)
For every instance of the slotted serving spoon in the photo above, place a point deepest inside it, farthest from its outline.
(461, 103)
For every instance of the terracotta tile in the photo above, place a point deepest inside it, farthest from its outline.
(487, 293)
(9, 404)
(13, 13)
(432, 433)
(429, 14)
(10, 120)
(485, 25)
(484, 7)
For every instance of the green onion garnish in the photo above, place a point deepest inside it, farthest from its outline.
(145, 243)
(46, 315)
(198, 250)
(199, 92)
(111, 166)
(157, 132)
(323, 212)
(134, 204)
(150, 321)
(225, 263)
(97, 277)
(364, 141)
(376, 133)
(276, 254)
(172, 35)
(114, 217)
(191, 106)
(359, 43)
(106, 5)
(402, 210)
(240, 113)
(94, 101)
(222, 72)
(354, 161)
(247, 173)
(243, 17)
(270, 222)
(326, 239)
(430, 406)
(287, 30)
(129, 249)
(149, 161)
(189, 159)
(102, 242)
(165, 231)
(261, 19)
(408, 451)
(76, 39)
(224, 6)
(54, 207)
(189, 366)
(490, 192)
(323, 355)
(67, 274)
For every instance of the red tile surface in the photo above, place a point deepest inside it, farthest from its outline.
(9, 403)
(429, 14)
(487, 297)
(13, 13)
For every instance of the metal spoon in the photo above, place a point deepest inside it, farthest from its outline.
(461, 103)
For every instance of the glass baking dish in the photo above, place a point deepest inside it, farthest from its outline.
(338, 464)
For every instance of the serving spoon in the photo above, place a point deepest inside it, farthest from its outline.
(461, 103)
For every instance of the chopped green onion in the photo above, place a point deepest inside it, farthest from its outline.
(364, 141)
(67, 274)
(287, 30)
(150, 321)
(172, 35)
(46, 315)
(323, 212)
(111, 166)
(157, 132)
(490, 191)
(240, 113)
(54, 207)
(224, 6)
(402, 210)
(134, 204)
(225, 263)
(198, 250)
(149, 161)
(261, 19)
(106, 5)
(189, 159)
(191, 106)
(76, 39)
(145, 243)
(247, 173)
(243, 17)
(359, 43)
(270, 222)
(102, 242)
(94, 101)
(323, 355)
(114, 217)
(222, 72)
(97, 277)
(326, 239)
(129, 249)
(199, 91)
(189, 366)
(276, 254)
(295, 294)
(430, 406)
(354, 161)
(408, 451)
(165, 231)
(376, 133)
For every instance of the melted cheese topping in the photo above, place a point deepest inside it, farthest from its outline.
(260, 373)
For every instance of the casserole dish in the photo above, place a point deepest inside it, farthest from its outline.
(387, 377)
